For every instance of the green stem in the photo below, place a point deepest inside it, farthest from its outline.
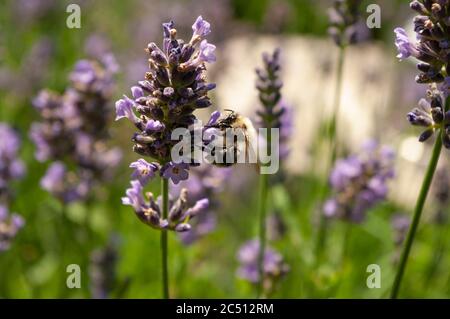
(262, 230)
(165, 211)
(333, 145)
(417, 213)
(263, 199)
(333, 136)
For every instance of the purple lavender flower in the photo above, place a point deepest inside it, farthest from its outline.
(269, 85)
(149, 212)
(404, 46)
(10, 224)
(165, 100)
(11, 167)
(74, 129)
(345, 22)
(400, 223)
(201, 28)
(173, 88)
(175, 171)
(431, 49)
(64, 185)
(274, 266)
(144, 171)
(124, 109)
(429, 114)
(359, 182)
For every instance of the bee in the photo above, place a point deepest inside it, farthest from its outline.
(237, 137)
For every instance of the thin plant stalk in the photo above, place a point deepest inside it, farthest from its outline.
(164, 248)
(333, 146)
(263, 200)
(417, 213)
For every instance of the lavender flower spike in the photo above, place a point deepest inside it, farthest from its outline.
(173, 88)
(74, 130)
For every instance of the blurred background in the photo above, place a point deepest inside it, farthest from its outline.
(119, 256)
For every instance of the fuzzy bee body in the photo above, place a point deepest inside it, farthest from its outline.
(221, 150)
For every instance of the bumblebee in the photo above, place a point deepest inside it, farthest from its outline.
(237, 137)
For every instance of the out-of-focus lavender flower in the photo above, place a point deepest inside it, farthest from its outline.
(274, 266)
(359, 182)
(269, 86)
(10, 224)
(63, 184)
(102, 270)
(97, 45)
(275, 112)
(31, 10)
(148, 209)
(346, 26)
(74, 128)
(205, 181)
(400, 223)
(11, 167)
(173, 88)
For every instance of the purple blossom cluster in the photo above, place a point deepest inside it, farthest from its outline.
(74, 129)
(174, 87)
(11, 168)
(148, 209)
(274, 266)
(431, 49)
(346, 26)
(359, 182)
